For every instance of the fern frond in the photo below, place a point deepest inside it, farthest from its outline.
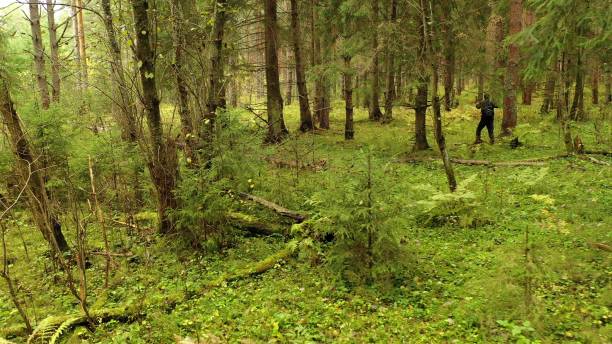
(64, 327)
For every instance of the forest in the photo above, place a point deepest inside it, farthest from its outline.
(305, 171)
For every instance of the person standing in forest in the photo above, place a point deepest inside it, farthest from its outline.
(487, 118)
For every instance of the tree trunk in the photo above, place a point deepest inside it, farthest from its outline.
(481, 81)
(276, 123)
(563, 104)
(128, 108)
(216, 91)
(428, 25)
(608, 76)
(181, 71)
(77, 50)
(349, 130)
(528, 85)
(321, 108)
(420, 109)
(399, 84)
(30, 173)
(162, 157)
(449, 57)
(39, 54)
(54, 44)
(390, 93)
(595, 83)
(528, 88)
(577, 112)
(512, 79)
(306, 123)
(375, 112)
(549, 93)
(289, 79)
(82, 48)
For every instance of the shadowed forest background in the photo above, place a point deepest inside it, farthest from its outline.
(305, 171)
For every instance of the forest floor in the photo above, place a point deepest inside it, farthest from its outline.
(466, 278)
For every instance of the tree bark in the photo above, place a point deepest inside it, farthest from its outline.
(577, 112)
(276, 123)
(608, 76)
(81, 40)
(420, 109)
(375, 112)
(30, 173)
(162, 158)
(528, 85)
(428, 24)
(181, 72)
(449, 56)
(420, 101)
(306, 123)
(390, 68)
(480, 95)
(549, 93)
(349, 130)
(563, 104)
(289, 79)
(321, 103)
(512, 79)
(77, 50)
(54, 45)
(595, 83)
(216, 90)
(39, 54)
(128, 108)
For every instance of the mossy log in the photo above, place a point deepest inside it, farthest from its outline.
(257, 268)
(53, 328)
(13, 331)
(296, 216)
(254, 225)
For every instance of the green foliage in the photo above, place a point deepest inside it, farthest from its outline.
(360, 217)
(205, 192)
(461, 208)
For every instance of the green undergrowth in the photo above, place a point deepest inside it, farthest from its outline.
(464, 270)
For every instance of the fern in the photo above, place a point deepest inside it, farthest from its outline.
(63, 328)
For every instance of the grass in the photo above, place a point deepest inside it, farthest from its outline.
(467, 283)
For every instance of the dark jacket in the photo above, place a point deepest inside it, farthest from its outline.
(487, 108)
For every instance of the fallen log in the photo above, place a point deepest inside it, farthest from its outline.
(253, 225)
(593, 160)
(296, 216)
(497, 163)
(257, 268)
(600, 246)
(112, 254)
(13, 331)
(291, 164)
(480, 162)
(53, 328)
(606, 153)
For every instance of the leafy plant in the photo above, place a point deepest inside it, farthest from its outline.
(360, 216)
(441, 208)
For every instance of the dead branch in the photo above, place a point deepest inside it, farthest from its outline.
(601, 246)
(314, 166)
(257, 268)
(296, 216)
(254, 225)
